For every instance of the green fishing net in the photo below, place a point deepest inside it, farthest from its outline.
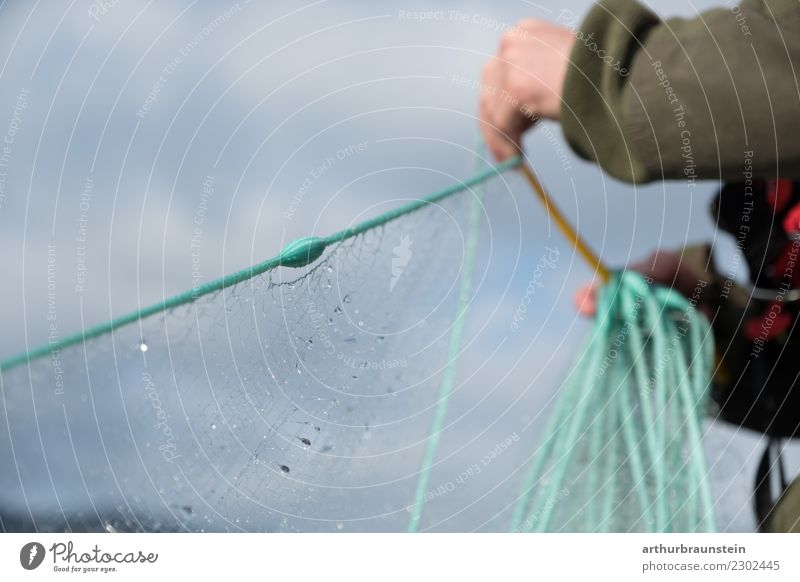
(280, 399)
(311, 393)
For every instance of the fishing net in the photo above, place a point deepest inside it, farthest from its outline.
(305, 394)
(624, 450)
(310, 393)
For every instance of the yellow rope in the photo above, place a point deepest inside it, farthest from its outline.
(565, 227)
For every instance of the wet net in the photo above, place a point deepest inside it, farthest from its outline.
(302, 398)
(310, 393)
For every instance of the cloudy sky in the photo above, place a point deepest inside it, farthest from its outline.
(120, 118)
(140, 102)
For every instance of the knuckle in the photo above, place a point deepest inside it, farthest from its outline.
(529, 24)
(518, 84)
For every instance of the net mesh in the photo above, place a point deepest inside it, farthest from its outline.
(314, 398)
(298, 400)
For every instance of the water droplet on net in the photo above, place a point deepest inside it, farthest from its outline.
(143, 346)
(213, 427)
(305, 441)
(297, 367)
(338, 310)
(284, 468)
(346, 299)
(340, 526)
(330, 321)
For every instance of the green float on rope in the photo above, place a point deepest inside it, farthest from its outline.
(624, 448)
(299, 253)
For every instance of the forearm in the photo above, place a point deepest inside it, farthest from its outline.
(686, 99)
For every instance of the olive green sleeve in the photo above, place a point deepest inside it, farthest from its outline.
(706, 98)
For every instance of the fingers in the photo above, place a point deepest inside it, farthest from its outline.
(585, 300)
(493, 134)
(501, 145)
(523, 83)
(671, 269)
(502, 121)
(661, 266)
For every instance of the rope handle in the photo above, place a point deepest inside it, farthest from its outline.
(563, 224)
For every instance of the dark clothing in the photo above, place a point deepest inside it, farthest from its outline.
(716, 97)
(685, 99)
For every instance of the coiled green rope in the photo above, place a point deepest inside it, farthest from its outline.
(624, 447)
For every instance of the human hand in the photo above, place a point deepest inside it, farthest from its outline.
(667, 268)
(523, 83)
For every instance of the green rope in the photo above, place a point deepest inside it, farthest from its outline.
(650, 426)
(448, 377)
(296, 254)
